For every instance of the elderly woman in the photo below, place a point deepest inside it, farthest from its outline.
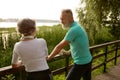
(31, 52)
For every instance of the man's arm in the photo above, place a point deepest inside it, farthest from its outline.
(57, 49)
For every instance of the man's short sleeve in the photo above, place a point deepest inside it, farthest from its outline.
(70, 35)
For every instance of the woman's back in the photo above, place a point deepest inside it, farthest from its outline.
(33, 54)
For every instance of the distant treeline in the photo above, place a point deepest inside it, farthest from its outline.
(37, 20)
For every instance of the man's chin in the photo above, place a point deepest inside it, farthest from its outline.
(65, 27)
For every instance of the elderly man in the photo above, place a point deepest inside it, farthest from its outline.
(79, 47)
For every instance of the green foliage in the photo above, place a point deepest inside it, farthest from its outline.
(10, 30)
(5, 57)
(100, 36)
(60, 77)
(8, 77)
(1, 42)
(98, 14)
(52, 35)
(103, 36)
(115, 30)
(115, 18)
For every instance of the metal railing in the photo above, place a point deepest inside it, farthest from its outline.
(112, 48)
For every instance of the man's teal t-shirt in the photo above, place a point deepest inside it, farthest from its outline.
(79, 44)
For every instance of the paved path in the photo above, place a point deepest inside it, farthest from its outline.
(113, 74)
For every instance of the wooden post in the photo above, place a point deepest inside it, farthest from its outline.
(105, 61)
(116, 54)
(66, 65)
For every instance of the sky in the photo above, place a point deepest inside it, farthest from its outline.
(37, 9)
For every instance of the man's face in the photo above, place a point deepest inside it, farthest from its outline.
(64, 20)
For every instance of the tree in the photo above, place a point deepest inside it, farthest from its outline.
(115, 18)
(95, 14)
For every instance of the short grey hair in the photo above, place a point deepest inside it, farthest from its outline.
(68, 11)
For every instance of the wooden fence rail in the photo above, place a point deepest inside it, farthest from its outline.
(112, 48)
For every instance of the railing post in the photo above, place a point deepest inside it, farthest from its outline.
(91, 51)
(66, 65)
(17, 76)
(105, 61)
(23, 75)
(116, 54)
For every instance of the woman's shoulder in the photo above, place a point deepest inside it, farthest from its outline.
(17, 44)
(41, 40)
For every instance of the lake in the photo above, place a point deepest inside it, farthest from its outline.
(14, 24)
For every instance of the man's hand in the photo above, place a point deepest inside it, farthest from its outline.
(64, 52)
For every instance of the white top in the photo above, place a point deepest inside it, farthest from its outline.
(33, 54)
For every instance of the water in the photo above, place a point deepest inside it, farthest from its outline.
(14, 24)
